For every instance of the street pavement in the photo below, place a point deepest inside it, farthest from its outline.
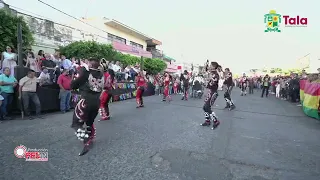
(262, 139)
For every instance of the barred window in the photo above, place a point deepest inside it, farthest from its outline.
(116, 38)
(134, 44)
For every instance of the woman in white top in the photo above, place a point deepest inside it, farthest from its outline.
(8, 59)
(32, 62)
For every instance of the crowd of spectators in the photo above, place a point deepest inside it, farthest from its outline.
(50, 71)
(283, 87)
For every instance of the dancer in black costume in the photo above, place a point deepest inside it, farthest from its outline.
(244, 84)
(184, 78)
(211, 96)
(90, 83)
(228, 82)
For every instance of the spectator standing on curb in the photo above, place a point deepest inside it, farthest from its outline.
(294, 86)
(64, 82)
(1, 99)
(283, 92)
(28, 91)
(7, 83)
(8, 59)
(32, 62)
(265, 85)
(251, 85)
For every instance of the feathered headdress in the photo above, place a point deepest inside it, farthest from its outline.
(104, 64)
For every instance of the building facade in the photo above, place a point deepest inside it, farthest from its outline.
(50, 35)
(123, 38)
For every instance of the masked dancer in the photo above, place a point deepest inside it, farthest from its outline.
(244, 84)
(185, 84)
(106, 94)
(213, 83)
(166, 82)
(141, 84)
(228, 83)
(90, 83)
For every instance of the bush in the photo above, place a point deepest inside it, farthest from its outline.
(8, 31)
(86, 49)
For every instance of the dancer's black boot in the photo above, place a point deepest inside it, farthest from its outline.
(215, 124)
(206, 123)
(87, 142)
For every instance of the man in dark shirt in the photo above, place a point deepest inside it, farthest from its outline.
(294, 88)
(51, 66)
(265, 85)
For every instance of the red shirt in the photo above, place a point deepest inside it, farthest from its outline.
(141, 81)
(65, 81)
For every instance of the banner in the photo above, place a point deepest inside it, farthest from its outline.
(123, 91)
(310, 98)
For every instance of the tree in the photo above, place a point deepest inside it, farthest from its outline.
(253, 70)
(87, 49)
(9, 29)
(276, 70)
(153, 66)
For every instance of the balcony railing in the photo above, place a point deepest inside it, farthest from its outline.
(156, 53)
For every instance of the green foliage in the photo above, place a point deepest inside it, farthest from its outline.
(9, 31)
(253, 70)
(126, 59)
(289, 71)
(87, 49)
(153, 66)
(276, 70)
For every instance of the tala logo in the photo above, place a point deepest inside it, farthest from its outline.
(273, 21)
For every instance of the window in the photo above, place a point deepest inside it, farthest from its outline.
(116, 38)
(133, 44)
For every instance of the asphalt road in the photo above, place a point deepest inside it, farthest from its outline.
(262, 139)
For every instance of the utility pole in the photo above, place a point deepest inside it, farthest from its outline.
(20, 41)
(141, 64)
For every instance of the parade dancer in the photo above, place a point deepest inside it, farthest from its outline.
(244, 84)
(166, 82)
(211, 97)
(106, 94)
(140, 83)
(228, 82)
(90, 83)
(185, 82)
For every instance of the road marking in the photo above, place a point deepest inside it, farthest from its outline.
(250, 137)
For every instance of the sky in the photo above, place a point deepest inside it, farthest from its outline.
(230, 32)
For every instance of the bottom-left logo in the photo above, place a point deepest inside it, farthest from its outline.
(31, 154)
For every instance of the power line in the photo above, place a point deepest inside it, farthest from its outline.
(78, 20)
(71, 16)
(29, 12)
(46, 18)
(82, 31)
